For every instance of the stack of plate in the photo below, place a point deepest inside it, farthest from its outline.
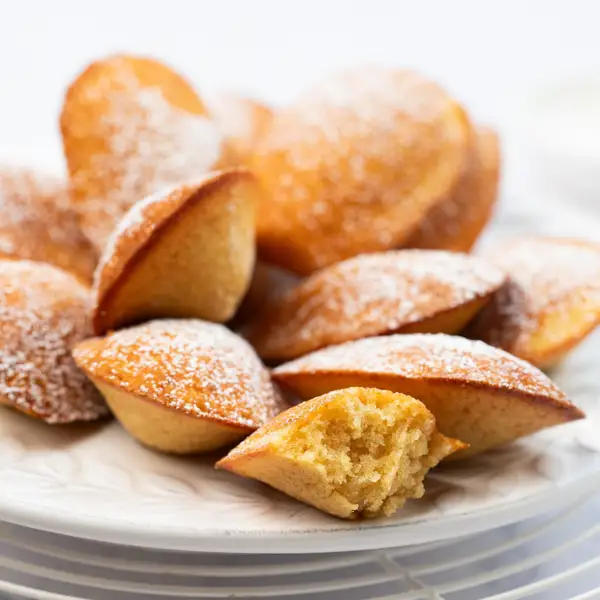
(550, 558)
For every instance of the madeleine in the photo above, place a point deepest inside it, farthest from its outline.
(550, 303)
(352, 453)
(38, 222)
(44, 312)
(456, 223)
(184, 252)
(181, 386)
(131, 126)
(404, 291)
(478, 394)
(354, 166)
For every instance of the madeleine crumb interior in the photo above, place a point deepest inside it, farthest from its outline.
(356, 452)
(478, 394)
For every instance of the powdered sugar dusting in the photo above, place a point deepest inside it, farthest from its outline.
(548, 269)
(131, 224)
(149, 145)
(43, 313)
(544, 272)
(369, 91)
(428, 356)
(233, 114)
(378, 144)
(372, 294)
(138, 224)
(365, 106)
(25, 199)
(37, 221)
(193, 366)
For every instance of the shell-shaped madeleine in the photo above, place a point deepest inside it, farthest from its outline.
(354, 165)
(44, 312)
(457, 222)
(37, 222)
(478, 394)
(130, 126)
(353, 453)
(181, 386)
(416, 291)
(550, 302)
(187, 251)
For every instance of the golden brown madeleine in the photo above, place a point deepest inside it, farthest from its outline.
(243, 121)
(187, 251)
(44, 312)
(131, 126)
(182, 386)
(456, 223)
(550, 303)
(37, 222)
(416, 291)
(354, 166)
(478, 394)
(352, 453)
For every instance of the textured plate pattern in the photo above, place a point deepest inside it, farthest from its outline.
(94, 481)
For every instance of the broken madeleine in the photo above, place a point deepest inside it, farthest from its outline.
(181, 386)
(354, 165)
(478, 394)
(131, 126)
(184, 252)
(353, 452)
(550, 303)
(404, 291)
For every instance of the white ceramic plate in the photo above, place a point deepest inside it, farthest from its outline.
(95, 482)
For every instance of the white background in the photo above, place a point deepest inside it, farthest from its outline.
(487, 52)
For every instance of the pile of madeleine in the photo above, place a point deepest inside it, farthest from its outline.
(292, 288)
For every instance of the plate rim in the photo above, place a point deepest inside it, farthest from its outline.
(321, 540)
